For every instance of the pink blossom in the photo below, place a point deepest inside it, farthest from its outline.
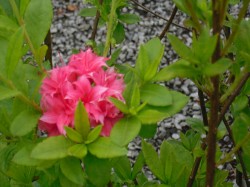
(84, 79)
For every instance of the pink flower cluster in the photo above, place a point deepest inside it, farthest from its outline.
(86, 78)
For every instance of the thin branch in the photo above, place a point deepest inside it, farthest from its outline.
(232, 97)
(203, 145)
(165, 30)
(95, 25)
(157, 15)
(196, 167)
(203, 107)
(230, 133)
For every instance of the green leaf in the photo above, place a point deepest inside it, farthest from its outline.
(88, 12)
(246, 159)
(181, 68)
(141, 179)
(6, 155)
(220, 178)
(129, 18)
(125, 130)
(185, 141)
(152, 160)
(22, 174)
(73, 135)
(14, 51)
(122, 168)
(22, 157)
(81, 120)
(149, 58)
(72, 169)
(167, 159)
(24, 123)
(99, 148)
(6, 93)
(139, 163)
(6, 8)
(152, 114)
(114, 57)
(203, 47)
(7, 26)
(240, 129)
(98, 170)
(119, 33)
(239, 104)
(4, 180)
(156, 95)
(23, 5)
(233, 2)
(175, 158)
(148, 130)
(4, 122)
(94, 134)
(217, 68)
(51, 148)
(78, 151)
(120, 105)
(132, 95)
(37, 19)
(181, 5)
(197, 125)
(242, 41)
(182, 50)
(65, 182)
(41, 53)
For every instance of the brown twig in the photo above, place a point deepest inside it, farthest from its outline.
(165, 30)
(48, 42)
(203, 145)
(232, 96)
(159, 16)
(239, 155)
(95, 25)
(196, 166)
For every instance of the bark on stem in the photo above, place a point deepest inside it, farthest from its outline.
(214, 99)
(95, 25)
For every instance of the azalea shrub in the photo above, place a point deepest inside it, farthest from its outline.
(70, 125)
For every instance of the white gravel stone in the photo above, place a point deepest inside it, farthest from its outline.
(175, 136)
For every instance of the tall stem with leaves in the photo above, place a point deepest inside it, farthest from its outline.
(215, 96)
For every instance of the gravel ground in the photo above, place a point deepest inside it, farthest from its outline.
(70, 31)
